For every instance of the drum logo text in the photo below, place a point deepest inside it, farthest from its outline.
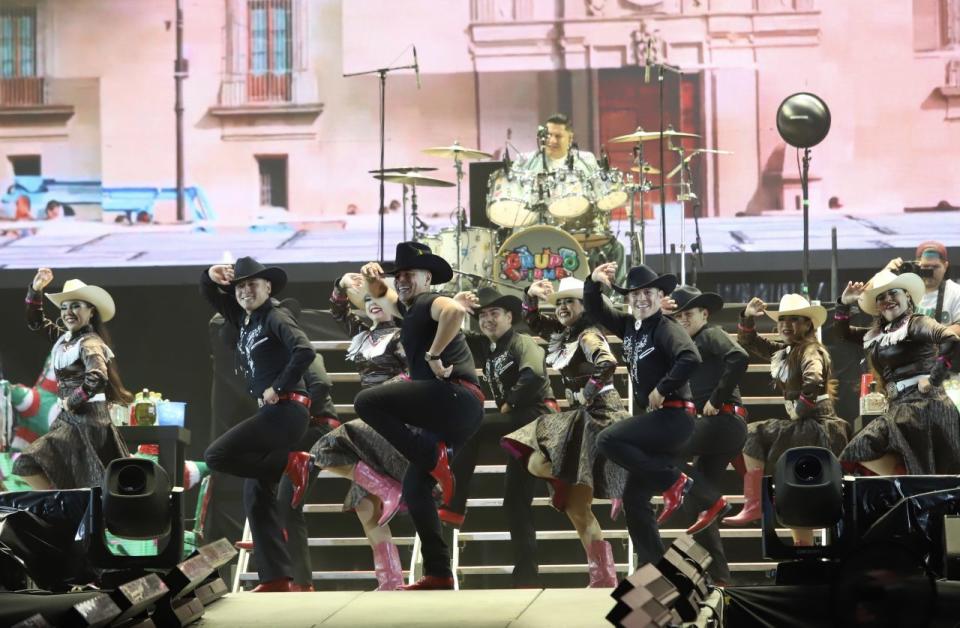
(521, 264)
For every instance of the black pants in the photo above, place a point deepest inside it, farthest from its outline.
(257, 450)
(648, 447)
(518, 491)
(298, 546)
(444, 411)
(715, 442)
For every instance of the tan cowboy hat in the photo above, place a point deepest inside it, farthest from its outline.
(885, 280)
(357, 295)
(796, 305)
(76, 290)
(570, 287)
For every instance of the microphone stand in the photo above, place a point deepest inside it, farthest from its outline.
(382, 73)
(663, 187)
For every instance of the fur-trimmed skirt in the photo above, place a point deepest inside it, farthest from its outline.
(922, 428)
(354, 442)
(768, 439)
(569, 441)
(77, 449)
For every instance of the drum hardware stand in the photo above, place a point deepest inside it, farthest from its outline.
(685, 194)
(661, 67)
(382, 73)
(414, 228)
(418, 227)
(640, 187)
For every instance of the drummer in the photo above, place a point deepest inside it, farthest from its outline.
(558, 142)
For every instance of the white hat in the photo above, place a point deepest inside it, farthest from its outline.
(76, 290)
(570, 287)
(357, 295)
(886, 280)
(796, 305)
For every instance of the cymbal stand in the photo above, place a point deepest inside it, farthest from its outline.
(414, 228)
(461, 219)
(418, 227)
(685, 194)
(638, 188)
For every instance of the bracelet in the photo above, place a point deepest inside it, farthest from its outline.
(337, 297)
(528, 308)
(33, 301)
(945, 360)
(595, 382)
(807, 402)
(743, 327)
(837, 316)
(429, 357)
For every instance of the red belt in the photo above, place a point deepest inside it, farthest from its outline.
(732, 408)
(318, 421)
(473, 388)
(683, 405)
(302, 399)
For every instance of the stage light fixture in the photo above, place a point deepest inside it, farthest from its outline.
(808, 488)
(645, 598)
(136, 499)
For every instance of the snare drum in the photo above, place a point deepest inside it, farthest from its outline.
(540, 252)
(569, 193)
(509, 198)
(608, 189)
(476, 250)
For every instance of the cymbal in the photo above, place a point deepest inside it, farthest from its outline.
(414, 179)
(402, 170)
(646, 136)
(647, 169)
(456, 151)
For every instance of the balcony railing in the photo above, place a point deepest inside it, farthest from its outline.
(22, 91)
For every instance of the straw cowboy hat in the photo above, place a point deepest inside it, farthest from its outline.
(688, 297)
(76, 290)
(358, 296)
(796, 305)
(491, 297)
(249, 268)
(885, 280)
(418, 256)
(569, 288)
(645, 277)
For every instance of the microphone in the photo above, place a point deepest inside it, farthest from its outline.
(507, 163)
(573, 147)
(604, 158)
(416, 66)
(541, 134)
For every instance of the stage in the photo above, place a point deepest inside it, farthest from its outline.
(576, 608)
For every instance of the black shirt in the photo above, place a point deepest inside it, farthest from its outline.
(658, 351)
(417, 333)
(515, 370)
(724, 363)
(272, 349)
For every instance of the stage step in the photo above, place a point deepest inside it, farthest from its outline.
(327, 575)
(506, 570)
(348, 377)
(347, 408)
(571, 535)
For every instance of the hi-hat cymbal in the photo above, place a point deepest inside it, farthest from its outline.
(646, 136)
(456, 151)
(402, 170)
(414, 179)
(647, 169)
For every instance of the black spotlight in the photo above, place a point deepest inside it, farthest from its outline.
(808, 485)
(803, 120)
(136, 499)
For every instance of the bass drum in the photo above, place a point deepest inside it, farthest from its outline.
(540, 252)
(509, 199)
(477, 252)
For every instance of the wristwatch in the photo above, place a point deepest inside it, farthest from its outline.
(429, 357)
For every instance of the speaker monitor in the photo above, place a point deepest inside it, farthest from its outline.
(808, 491)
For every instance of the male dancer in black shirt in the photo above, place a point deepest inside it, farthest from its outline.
(514, 368)
(660, 357)
(442, 398)
(720, 430)
(274, 353)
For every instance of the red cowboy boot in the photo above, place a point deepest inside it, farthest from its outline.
(301, 588)
(280, 585)
(616, 507)
(430, 583)
(673, 497)
(603, 571)
(384, 487)
(751, 508)
(299, 466)
(708, 516)
(443, 475)
(386, 563)
(452, 519)
(244, 545)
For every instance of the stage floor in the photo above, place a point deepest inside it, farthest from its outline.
(575, 608)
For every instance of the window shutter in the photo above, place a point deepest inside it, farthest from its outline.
(926, 25)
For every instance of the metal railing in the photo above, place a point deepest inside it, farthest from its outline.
(22, 91)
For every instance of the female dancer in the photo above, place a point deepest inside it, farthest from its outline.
(355, 450)
(562, 448)
(82, 440)
(800, 366)
(920, 431)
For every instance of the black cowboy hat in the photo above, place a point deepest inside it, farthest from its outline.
(688, 297)
(418, 256)
(491, 297)
(645, 277)
(249, 268)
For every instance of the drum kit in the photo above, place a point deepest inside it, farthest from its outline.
(554, 218)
